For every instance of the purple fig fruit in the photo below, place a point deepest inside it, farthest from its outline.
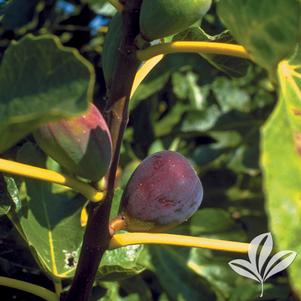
(163, 192)
(82, 145)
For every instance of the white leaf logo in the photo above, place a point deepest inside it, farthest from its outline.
(259, 267)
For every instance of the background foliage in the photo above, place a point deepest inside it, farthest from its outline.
(212, 109)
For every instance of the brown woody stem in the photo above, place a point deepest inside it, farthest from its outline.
(97, 235)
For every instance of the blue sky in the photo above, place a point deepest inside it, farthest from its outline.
(69, 8)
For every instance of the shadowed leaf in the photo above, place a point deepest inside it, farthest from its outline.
(50, 221)
(233, 66)
(40, 80)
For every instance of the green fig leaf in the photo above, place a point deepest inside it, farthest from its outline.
(120, 263)
(268, 29)
(40, 80)
(230, 65)
(188, 273)
(50, 222)
(111, 48)
(17, 13)
(116, 202)
(281, 163)
(5, 203)
(112, 291)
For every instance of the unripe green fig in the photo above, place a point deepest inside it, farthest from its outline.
(163, 192)
(82, 145)
(161, 18)
(111, 48)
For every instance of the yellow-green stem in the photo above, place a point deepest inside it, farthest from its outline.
(42, 174)
(117, 5)
(193, 47)
(29, 288)
(125, 239)
(58, 286)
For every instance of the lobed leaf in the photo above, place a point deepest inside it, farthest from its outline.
(268, 29)
(281, 162)
(40, 80)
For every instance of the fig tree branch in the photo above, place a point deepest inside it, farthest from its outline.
(29, 288)
(97, 235)
(46, 175)
(125, 239)
(193, 47)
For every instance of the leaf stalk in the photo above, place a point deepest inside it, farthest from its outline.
(29, 288)
(51, 176)
(193, 47)
(125, 239)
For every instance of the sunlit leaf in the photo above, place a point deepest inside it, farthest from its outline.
(281, 162)
(268, 29)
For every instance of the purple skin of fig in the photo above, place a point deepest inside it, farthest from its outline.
(81, 144)
(163, 191)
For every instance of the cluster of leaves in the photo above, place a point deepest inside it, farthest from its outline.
(212, 109)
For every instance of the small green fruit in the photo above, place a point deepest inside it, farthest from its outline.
(82, 144)
(161, 18)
